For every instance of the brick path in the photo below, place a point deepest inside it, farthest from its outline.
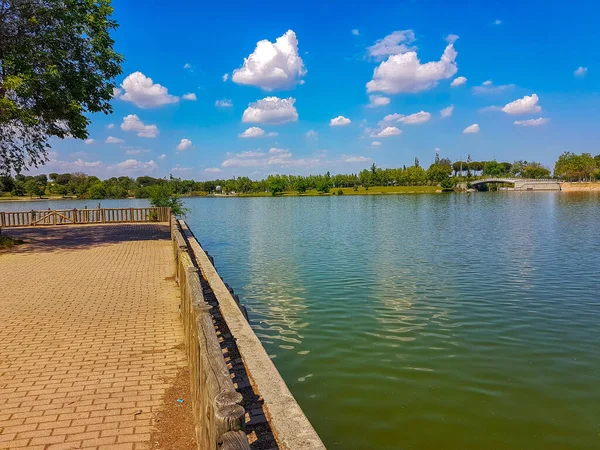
(89, 336)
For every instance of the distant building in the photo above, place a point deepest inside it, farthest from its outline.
(218, 189)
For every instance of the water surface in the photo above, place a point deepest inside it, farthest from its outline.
(422, 321)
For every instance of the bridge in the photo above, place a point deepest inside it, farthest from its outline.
(520, 184)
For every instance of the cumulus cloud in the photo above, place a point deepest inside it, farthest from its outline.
(144, 93)
(225, 103)
(393, 44)
(187, 66)
(272, 134)
(272, 66)
(252, 132)
(471, 129)
(311, 134)
(387, 132)
(532, 122)
(355, 32)
(416, 118)
(376, 144)
(525, 105)
(113, 140)
(189, 96)
(163, 156)
(580, 72)
(487, 87)
(378, 100)
(339, 121)
(273, 110)
(458, 81)
(225, 77)
(212, 170)
(283, 158)
(133, 165)
(184, 144)
(110, 125)
(89, 141)
(405, 73)
(447, 112)
(497, 22)
(133, 123)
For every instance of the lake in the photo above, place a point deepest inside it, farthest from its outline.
(420, 321)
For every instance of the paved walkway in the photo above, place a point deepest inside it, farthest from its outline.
(89, 336)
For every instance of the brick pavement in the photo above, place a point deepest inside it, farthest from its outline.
(89, 336)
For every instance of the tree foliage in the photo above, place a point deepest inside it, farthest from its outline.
(164, 196)
(574, 167)
(57, 64)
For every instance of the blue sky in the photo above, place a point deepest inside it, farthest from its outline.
(376, 69)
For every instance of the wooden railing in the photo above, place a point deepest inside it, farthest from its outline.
(11, 219)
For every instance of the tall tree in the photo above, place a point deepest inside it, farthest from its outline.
(57, 64)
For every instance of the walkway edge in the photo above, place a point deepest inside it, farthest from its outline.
(291, 428)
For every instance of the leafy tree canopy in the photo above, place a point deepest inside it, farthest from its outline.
(57, 64)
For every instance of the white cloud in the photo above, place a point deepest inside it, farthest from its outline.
(252, 132)
(405, 73)
(532, 122)
(272, 134)
(212, 170)
(273, 110)
(225, 103)
(447, 112)
(497, 22)
(451, 38)
(458, 81)
(113, 140)
(133, 123)
(416, 118)
(89, 141)
(136, 151)
(378, 100)
(181, 169)
(355, 159)
(525, 105)
(580, 72)
(339, 121)
(487, 87)
(187, 66)
(143, 92)
(110, 125)
(472, 129)
(272, 66)
(393, 44)
(311, 134)
(355, 32)
(163, 156)
(133, 165)
(185, 144)
(189, 96)
(225, 77)
(387, 132)
(392, 117)
(376, 144)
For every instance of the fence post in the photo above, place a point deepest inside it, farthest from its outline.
(32, 218)
(74, 215)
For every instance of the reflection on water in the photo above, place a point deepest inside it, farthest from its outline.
(424, 321)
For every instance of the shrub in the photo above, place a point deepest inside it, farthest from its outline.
(340, 192)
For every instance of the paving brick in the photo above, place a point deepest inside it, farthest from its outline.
(77, 337)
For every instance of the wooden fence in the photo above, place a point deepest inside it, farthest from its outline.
(10, 219)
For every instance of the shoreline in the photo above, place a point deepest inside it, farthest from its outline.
(381, 190)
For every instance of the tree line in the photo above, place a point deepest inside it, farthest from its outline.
(442, 172)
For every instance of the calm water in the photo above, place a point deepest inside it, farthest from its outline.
(423, 321)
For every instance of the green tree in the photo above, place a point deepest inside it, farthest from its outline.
(447, 184)
(57, 66)
(34, 188)
(163, 196)
(573, 167)
(536, 171)
(276, 186)
(438, 173)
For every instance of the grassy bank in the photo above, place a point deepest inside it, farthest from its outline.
(375, 190)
